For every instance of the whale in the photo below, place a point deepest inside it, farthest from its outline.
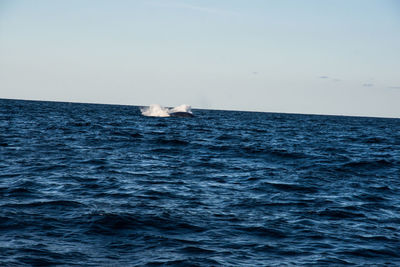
(181, 114)
(155, 110)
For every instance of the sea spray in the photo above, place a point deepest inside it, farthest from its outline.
(156, 110)
(181, 108)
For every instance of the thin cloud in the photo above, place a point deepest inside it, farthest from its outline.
(368, 84)
(394, 87)
(324, 77)
(198, 8)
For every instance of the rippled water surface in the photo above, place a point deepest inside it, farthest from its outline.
(98, 185)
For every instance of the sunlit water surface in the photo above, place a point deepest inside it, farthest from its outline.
(98, 185)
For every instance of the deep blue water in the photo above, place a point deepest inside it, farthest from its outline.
(84, 184)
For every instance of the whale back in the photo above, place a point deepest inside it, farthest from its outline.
(181, 114)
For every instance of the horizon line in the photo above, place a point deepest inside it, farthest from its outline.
(235, 110)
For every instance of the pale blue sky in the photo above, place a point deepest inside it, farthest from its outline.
(312, 56)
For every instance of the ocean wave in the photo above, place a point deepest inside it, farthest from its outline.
(103, 185)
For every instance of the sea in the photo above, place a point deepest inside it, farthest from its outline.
(103, 185)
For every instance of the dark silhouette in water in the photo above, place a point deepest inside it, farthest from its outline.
(181, 114)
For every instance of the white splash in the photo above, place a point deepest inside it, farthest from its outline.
(156, 110)
(181, 108)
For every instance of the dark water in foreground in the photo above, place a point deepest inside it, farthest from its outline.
(98, 185)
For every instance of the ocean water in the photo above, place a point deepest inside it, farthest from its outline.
(102, 185)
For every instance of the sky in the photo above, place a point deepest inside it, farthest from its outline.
(338, 57)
